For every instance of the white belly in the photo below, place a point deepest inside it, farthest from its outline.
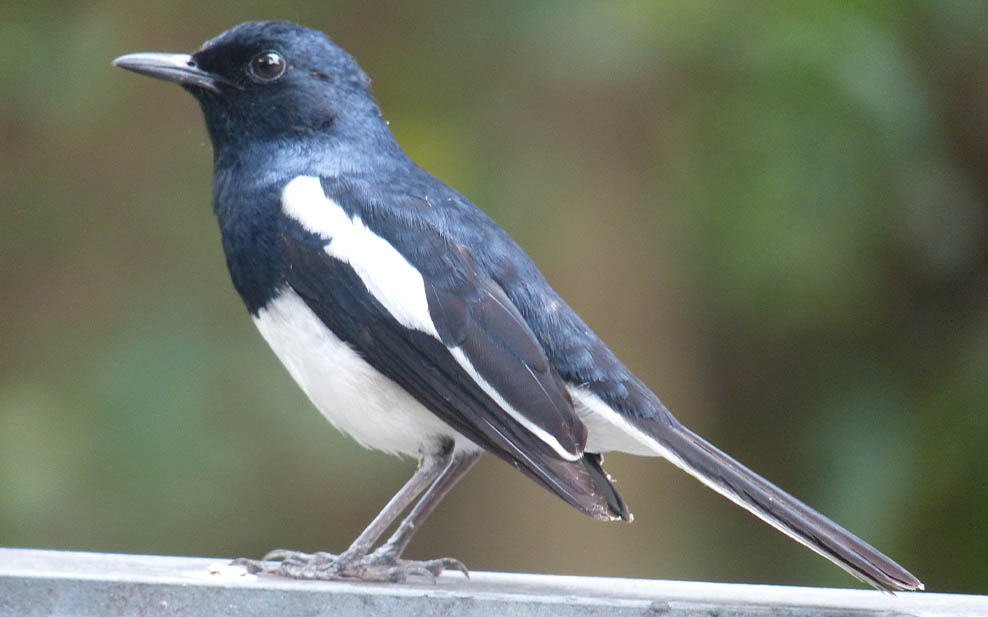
(352, 395)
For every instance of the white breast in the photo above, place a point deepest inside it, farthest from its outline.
(352, 395)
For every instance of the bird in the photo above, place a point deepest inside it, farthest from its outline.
(414, 323)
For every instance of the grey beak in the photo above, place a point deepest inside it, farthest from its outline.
(177, 68)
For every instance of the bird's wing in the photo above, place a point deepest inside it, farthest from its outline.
(444, 332)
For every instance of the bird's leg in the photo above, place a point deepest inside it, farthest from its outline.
(430, 468)
(457, 468)
(296, 564)
(441, 470)
(385, 563)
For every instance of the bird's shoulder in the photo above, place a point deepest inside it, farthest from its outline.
(441, 236)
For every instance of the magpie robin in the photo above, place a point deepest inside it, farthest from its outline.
(413, 322)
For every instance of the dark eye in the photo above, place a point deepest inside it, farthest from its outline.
(268, 65)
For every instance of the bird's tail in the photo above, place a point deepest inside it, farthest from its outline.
(744, 487)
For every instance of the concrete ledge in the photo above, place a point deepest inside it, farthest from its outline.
(47, 583)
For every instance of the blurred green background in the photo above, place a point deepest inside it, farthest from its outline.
(775, 214)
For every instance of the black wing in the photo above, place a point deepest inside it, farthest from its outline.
(533, 426)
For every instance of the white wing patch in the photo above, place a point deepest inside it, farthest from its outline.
(394, 282)
(388, 276)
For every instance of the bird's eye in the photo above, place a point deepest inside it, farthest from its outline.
(268, 65)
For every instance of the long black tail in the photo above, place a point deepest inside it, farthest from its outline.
(768, 502)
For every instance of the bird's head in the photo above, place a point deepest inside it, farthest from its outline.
(270, 81)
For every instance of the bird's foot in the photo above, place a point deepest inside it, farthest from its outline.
(378, 566)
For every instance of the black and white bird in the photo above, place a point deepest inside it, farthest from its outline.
(413, 322)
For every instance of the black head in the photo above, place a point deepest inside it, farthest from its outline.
(271, 80)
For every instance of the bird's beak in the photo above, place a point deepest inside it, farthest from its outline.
(177, 68)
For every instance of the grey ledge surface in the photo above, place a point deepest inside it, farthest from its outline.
(42, 583)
